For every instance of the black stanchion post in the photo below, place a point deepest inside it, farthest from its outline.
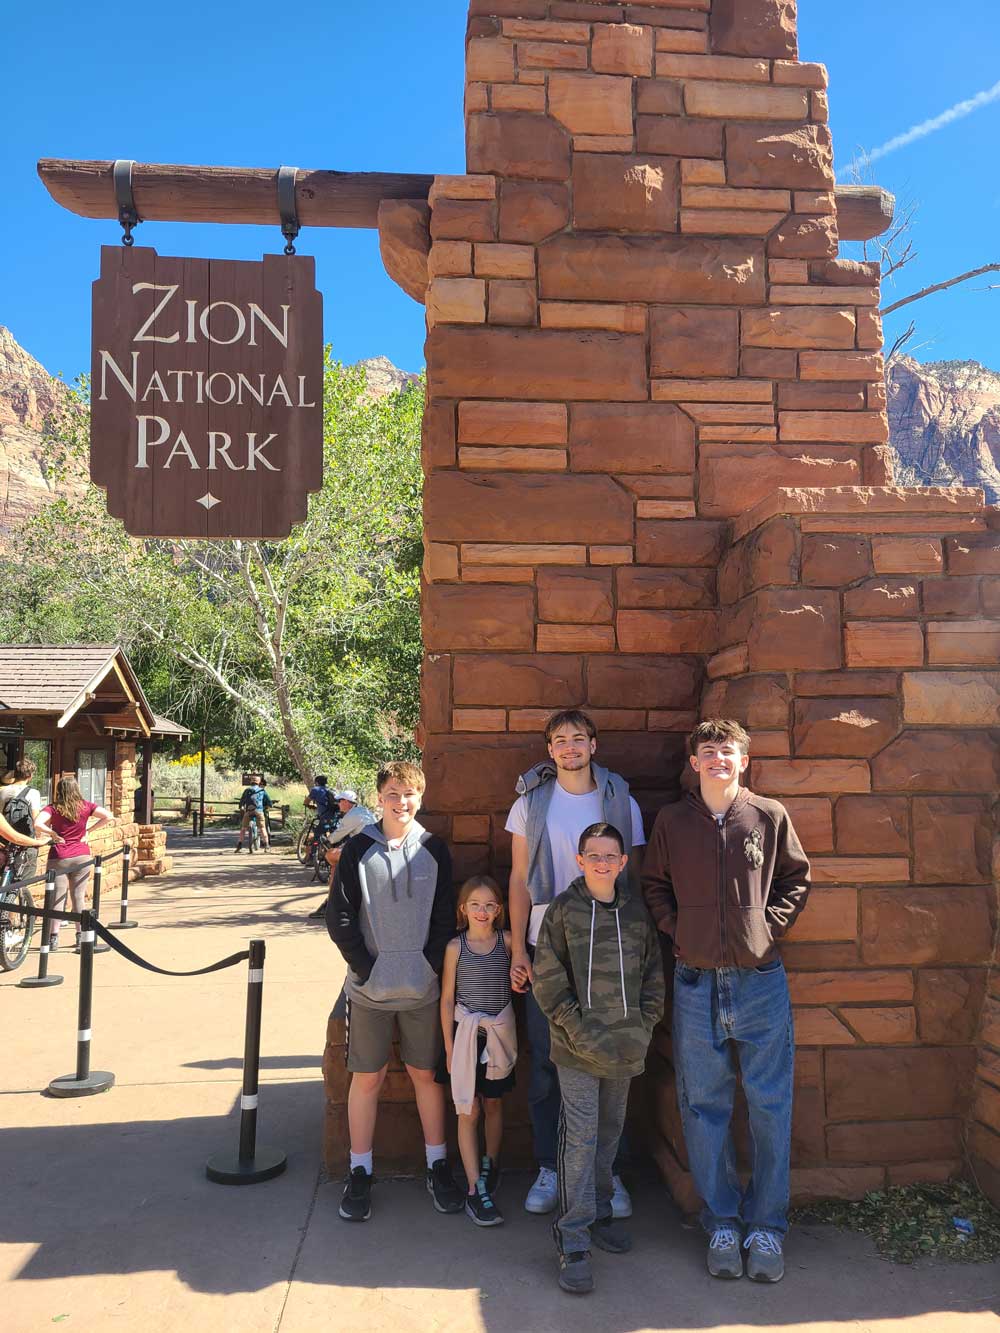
(123, 923)
(43, 978)
(85, 1082)
(99, 945)
(251, 1164)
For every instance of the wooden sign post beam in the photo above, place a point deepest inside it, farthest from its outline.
(165, 193)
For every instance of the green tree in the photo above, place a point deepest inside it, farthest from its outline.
(303, 653)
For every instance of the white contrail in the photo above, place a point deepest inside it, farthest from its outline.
(926, 127)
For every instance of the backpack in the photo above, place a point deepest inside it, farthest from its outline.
(17, 813)
(248, 801)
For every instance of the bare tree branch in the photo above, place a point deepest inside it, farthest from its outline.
(940, 287)
(901, 342)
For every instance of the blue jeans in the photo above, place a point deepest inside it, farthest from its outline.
(720, 1016)
(543, 1086)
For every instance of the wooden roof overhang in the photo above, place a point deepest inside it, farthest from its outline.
(88, 683)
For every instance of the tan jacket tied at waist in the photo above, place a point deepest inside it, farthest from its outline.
(500, 1053)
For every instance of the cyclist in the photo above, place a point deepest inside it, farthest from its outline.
(20, 804)
(320, 798)
(10, 840)
(253, 803)
(353, 818)
(15, 928)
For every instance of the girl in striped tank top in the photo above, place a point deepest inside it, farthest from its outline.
(480, 1042)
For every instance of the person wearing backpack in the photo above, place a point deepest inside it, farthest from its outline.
(253, 803)
(20, 804)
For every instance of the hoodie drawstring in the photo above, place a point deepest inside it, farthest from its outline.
(405, 849)
(621, 956)
(590, 960)
(621, 960)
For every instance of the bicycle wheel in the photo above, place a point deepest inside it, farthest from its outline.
(15, 929)
(254, 836)
(304, 845)
(321, 867)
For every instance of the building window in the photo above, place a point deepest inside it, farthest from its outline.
(41, 753)
(92, 774)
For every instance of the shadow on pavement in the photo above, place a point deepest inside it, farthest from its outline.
(266, 1062)
(126, 1197)
(121, 1198)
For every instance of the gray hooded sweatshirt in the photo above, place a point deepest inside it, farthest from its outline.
(391, 913)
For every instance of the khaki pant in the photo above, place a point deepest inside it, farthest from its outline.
(261, 825)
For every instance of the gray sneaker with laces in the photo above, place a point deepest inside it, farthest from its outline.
(724, 1257)
(765, 1260)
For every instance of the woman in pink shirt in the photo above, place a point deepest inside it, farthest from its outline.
(69, 819)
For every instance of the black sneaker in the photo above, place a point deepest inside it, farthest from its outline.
(238, 848)
(611, 1236)
(576, 1273)
(481, 1207)
(319, 913)
(489, 1172)
(356, 1204)
(448, 1198)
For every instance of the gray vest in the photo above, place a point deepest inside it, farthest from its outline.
(537, 786)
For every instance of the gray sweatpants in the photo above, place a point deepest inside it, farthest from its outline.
(590, 1124)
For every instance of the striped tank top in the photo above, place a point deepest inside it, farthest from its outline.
(482, 981)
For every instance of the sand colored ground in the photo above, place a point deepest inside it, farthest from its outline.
(107, 1221)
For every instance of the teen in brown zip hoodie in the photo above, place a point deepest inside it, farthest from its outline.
(724, 877)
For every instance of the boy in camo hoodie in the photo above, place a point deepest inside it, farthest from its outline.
(598, 978)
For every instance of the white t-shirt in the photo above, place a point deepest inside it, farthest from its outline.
(567, 817)
(24, 789)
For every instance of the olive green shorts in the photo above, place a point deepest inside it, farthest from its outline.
(369, 1037)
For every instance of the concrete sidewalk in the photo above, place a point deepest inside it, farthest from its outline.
(108, 1222)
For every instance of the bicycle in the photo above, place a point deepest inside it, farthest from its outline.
(16, 928)
(305, 846)
(253, 833)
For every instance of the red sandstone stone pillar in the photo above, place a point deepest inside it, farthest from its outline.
(642, 349)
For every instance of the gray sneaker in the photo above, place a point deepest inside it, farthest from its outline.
(724, 1257)
(610, 1235)
(576, 1272)
(765, 1260)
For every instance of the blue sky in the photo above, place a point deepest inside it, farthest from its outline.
(321, 85)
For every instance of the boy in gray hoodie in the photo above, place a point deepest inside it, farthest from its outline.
(391, 914)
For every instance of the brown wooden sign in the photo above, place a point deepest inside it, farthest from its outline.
(206, 393)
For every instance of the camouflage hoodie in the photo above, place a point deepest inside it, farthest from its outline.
(599, 981)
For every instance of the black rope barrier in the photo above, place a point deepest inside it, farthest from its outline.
(123, 923)
(47, 914)
(132, 957)
(251, 1163)
(85, 1082)
(96, 898)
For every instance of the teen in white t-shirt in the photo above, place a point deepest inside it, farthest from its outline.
(568, 815)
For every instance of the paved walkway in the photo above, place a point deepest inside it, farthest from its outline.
(108, 1223)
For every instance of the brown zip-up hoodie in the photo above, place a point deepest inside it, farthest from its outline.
(725, 892)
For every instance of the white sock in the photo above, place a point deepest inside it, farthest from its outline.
(362, 1159)
(435, 1153)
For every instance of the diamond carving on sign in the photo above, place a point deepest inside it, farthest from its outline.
(208, 500)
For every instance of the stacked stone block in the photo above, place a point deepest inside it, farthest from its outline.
(854, 625)
(657, 486)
